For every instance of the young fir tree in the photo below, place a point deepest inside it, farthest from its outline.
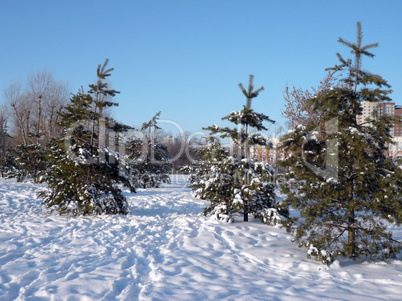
(237, 183)
(218, 177)
(7, 160)
(102, 96)
(28, 162)
(83, 174)
(149, 158)
(340, 177)
(211, 178)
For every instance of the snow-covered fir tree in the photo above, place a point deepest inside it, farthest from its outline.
(7, 161)
(219, 178)
(236, 183)
(340, 176)
(149, 158)
(83, 174)
(26, 162)
(212, 179)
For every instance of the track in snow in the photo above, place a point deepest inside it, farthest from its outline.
(164, 250)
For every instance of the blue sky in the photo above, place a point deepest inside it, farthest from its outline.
(186, 57)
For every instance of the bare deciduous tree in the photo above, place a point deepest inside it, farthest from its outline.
(38, 86)
(34, 108)
(57, 96)
(295, 110)
(4, 115)
(21, 112)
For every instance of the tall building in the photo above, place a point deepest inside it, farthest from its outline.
(396, 149)
(372, 109)
(369, 109)
(398, 127)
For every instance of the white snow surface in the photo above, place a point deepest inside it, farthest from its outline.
(165, 250)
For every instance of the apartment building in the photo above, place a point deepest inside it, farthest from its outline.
(373, 109)
(398, 127)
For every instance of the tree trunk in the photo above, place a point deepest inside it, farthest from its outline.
(351, 220)
(245, 211)
(351, 234)
(245, 144)
(38, 129)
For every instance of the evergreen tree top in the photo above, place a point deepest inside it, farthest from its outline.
(79, 109)
(250, 93)
(101, 72)
(248, 119)
(102, 88)
(356, 75)
(357, 49)
(151, 123)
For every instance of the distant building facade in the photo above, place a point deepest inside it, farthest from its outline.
(372, 109)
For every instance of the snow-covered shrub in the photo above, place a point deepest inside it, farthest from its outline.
(26, 162)
(8, 164)
(270, 216)
(322, 256)
(220, 213)
(149, 162)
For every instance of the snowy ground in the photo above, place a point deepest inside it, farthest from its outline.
(164, 250)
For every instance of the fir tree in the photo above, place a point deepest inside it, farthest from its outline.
(102, 96)
(211, 178)
(340, 177)
(83, 173)
(21, 162)
(218, 177)
(7, 161)
(149, 158)
(239, 182)
(27, 161)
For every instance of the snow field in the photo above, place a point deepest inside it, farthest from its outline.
(165, 250)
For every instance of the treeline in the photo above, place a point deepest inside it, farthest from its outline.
(30, 117)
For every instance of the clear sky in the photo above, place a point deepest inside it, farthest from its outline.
(186, 57)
